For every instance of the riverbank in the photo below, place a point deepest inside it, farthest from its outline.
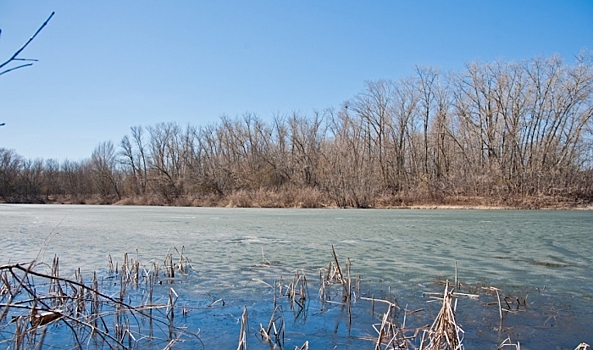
(315, 199)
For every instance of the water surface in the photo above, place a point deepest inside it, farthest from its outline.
(542, 255)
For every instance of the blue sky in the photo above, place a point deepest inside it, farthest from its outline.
(105, 66)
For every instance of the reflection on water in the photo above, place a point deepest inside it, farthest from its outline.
(541, 256)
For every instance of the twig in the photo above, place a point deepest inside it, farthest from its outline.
(15, 57)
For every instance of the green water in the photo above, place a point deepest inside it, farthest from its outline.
(545, 255)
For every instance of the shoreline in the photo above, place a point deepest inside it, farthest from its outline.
(318, 200)
(435, 206)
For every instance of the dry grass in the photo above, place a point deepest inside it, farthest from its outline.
(32, 301)
(334, 275)
(273, 334)
(36, 300)
(292, 197)
(445, 333)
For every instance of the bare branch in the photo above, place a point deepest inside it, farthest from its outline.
(15, 68)
(17, 53)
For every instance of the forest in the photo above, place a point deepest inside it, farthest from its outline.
(513, 134)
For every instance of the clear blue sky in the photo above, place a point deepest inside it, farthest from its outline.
(105, 66)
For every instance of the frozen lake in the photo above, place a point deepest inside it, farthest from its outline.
(545, 255)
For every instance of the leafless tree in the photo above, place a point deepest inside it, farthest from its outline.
(105, 172)
(505, 132)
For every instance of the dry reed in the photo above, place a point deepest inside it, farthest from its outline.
(508, 343)
(243, 332)
(274, 332)
(335, 275)
(388, 333)
(305, 346)
(111, 321)
(445, 333)
(90, 315)
(297, 291)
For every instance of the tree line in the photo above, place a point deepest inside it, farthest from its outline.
(501, 133)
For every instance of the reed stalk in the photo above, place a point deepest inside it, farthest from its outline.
(508, 343)
(298, 291)
(273, 333)
(445, 333)
(499, 311)
(243, 332)
(343, 281)
(305, 346)
(77, 307)
(109, 319)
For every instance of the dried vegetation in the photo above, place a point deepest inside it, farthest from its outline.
(96, 313)
(40, 308)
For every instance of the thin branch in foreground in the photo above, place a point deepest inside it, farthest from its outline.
(15, 57)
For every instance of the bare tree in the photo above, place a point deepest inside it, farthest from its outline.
(374, 107)
(51, 181)
(427, 80)
(103, 163)
(10, 168)
(166, 166)
(505, 133)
